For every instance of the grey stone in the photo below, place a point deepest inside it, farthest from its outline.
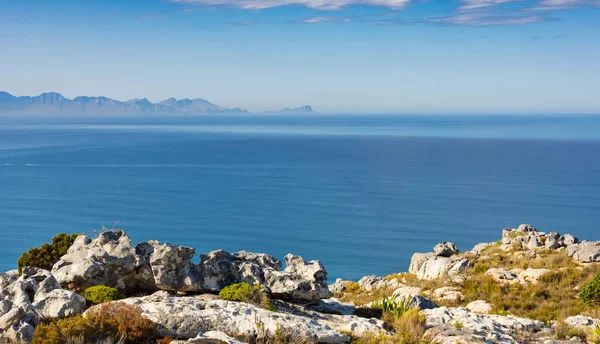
(446, 249)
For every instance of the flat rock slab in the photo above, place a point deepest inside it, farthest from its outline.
(187, 316)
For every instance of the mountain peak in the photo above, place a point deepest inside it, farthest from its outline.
(54, 103)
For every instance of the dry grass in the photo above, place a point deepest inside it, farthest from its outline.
(407, 329)
(566, 331)
(554, 297)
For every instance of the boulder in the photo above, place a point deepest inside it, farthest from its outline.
(60, 303)
(502, 275)
(568, 239)
(494, 328)
(188, 316)
(532, 275)
(407, 292)
(11, 317)
(553, 241)
(526, 228)
(534, 242)
(588, 252)
(339, 286)
(300, 280)
(107, 260)
(422, 303)
(21, 332)
(477, 249)
(371, 282)
(428, 266)
(446, 249)
(448, 294)
(8, 278)
(173, 270)
(582, 321)
(480, 306)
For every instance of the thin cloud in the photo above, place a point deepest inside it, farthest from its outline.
(484, 19)
(476, 4)
(314, 20)
(566, 4)
(316, 4)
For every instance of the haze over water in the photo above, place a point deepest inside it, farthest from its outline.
(359, 193)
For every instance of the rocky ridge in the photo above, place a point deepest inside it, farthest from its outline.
(179, 294)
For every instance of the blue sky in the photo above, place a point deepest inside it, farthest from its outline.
(369, 56)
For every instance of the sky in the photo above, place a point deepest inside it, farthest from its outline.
(340, 56)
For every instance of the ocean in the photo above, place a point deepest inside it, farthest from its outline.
(359, 193)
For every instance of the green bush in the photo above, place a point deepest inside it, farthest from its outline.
(244, 292)
(114, 322)
(396, 307)
(591, 292)
(101, 294)
(48, 254)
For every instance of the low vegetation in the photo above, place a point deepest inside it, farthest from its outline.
(101, 294)
(407, 328)
(569, 290)
(47, 255)
(244, 292)
(590, 293)
(109, 323)
(393, 307)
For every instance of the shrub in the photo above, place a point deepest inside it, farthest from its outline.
(591, 292)
(393, 307)
(564, 331)
(244, 292)
(352, 287)
(101, 294)
(407, 329)
(595, 332)
(115, 322)
(47, 255)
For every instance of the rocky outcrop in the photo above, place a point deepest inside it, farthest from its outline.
(338, 316)
(29, 299)
(111, 260)
(339, 286)
(428, 266)
(300, 280)
(462, 323)
(185, 317)
(586, 252)
(108, 260)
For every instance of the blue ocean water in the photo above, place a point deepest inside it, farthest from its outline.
(360, 193)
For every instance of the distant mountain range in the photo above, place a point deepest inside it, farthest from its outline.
(56, 104)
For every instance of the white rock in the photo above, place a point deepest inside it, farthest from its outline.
(185, 317)
(407, 292)
(60, 303)
(446, 249)
(477, 249)
(502, 275)
(428, 266)
(494, 327)
(480, 306)
(11, 317)
(582, 321)
(448, 294)
(532, 275)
